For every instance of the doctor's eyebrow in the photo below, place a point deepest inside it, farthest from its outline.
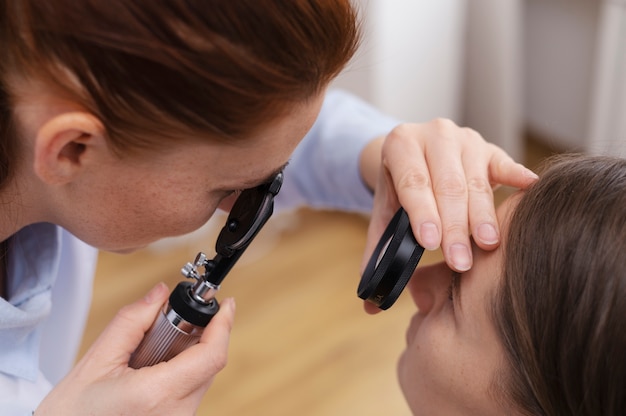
(269, 178)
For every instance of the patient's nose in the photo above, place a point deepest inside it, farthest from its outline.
(428, 286)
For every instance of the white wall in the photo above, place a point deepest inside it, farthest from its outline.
(607, 129)
(553, 67)
(459, 59)
(493, 75)
(410, 64)
(560, 41)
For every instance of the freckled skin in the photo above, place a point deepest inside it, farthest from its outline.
(124, 203)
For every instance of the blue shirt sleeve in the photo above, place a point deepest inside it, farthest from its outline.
(324, 169)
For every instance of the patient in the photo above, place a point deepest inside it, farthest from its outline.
(536, 327)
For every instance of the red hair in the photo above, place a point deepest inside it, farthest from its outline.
(155, 70)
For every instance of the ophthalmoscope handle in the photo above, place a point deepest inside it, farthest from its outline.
(179, 325)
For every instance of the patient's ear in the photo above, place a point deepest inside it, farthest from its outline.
(65, 144)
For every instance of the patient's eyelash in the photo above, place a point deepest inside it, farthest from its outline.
(453, 287)
(450, 293)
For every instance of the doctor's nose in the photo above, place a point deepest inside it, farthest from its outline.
(428, 286)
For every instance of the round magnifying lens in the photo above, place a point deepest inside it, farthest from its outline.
(392, 263)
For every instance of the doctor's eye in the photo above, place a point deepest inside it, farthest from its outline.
(235, 193)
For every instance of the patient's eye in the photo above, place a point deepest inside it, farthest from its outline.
(453, 288)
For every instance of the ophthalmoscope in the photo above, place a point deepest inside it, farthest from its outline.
(192, 304)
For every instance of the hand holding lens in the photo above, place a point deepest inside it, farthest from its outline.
(392, 263)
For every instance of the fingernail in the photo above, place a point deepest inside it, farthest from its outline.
(429, 235)
(231, 303)
(461, 257)
(155, 293)
(487, 234)
(530, 174)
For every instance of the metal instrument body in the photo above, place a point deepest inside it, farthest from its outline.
(191, 305)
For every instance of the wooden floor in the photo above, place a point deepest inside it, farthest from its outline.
(301, 344)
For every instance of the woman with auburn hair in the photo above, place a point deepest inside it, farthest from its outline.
(536, 326)
(125, 121)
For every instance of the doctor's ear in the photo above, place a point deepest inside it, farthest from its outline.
(65, 144)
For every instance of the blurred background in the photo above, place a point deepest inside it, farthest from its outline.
(533, 76)
(552, 69)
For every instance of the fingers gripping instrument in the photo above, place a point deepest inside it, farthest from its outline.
(192, 304)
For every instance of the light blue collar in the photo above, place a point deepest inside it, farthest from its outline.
(34, 254)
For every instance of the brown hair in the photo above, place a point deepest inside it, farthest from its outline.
(561, 307)
(172, 68)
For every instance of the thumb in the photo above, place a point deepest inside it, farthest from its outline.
(202, 361)
(124, 333)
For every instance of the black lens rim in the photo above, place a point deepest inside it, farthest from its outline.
(385, 277)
